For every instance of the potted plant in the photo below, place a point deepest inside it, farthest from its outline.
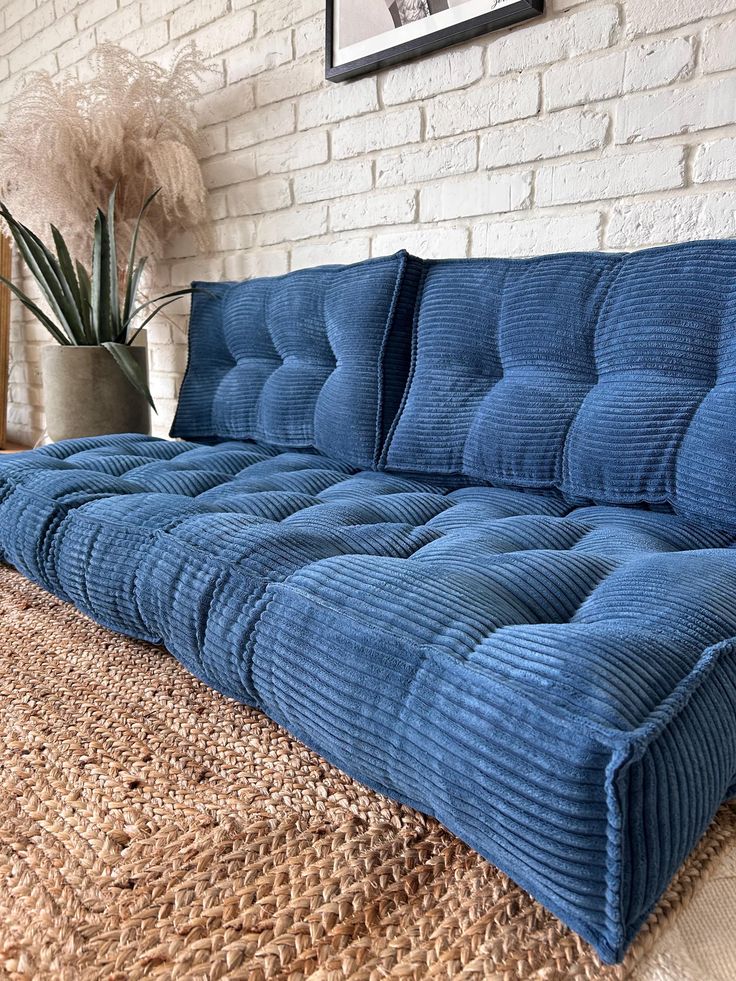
(95, 379)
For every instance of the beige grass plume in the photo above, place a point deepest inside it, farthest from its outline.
(66, 144)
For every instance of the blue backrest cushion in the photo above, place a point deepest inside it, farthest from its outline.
(660, 424)
(608, 376)
(313, 359)
(503, 358)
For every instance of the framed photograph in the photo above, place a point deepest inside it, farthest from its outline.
(364, 35)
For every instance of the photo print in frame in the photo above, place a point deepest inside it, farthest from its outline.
(365, 35)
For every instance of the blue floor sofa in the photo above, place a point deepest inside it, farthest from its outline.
(466, 528)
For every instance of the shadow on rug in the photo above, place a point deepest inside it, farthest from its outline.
(152, 828)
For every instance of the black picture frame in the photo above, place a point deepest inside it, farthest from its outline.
(494, 20)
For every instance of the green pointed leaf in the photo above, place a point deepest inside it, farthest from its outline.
(101, 280)
(130, 368)
(37, 312)
(150, 317)
(131, 283)
(164, 296)
(85, 296)
(45, 269)
(116, 327)
(70, 285)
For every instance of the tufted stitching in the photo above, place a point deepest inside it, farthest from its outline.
(302, 309)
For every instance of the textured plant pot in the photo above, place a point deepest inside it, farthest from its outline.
(87, 394)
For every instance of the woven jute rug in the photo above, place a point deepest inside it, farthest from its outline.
(150, 828)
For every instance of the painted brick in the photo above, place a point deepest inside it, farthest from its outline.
(719, 47)
(261, 125)
(286, 82)
(358, 136)
(158, 8)
(551, 40)
(431, 243)
(333, 104)
(679, 218)
(480, 194)
(225, 33)
(234, 167)
(643, 66)
(292, 153)
(118, 25)
(491, 102)
(309, 37)
(453, 69)
(234, 234)
(265, 262)
(430, 161)
(190, 16)
(279, 15)
(75, 48)
(213, 141)
(716, 161)
(341, 250)
(333, 180)
(43, 16)
(538, 235)
(91, 11)
(259, 197)
(15, 10)
(681, 109)
(653, 16)
(570, 131)
(294, 224)
(227, 103)
(262, 54)
(395, 207)
(611, 177)
(146, 39)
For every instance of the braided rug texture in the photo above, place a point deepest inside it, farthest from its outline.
(150, 828)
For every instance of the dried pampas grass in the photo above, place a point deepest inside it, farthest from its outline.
(66, 144)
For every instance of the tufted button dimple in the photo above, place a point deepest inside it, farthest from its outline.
(297, 360)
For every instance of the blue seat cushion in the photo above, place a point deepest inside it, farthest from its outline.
(556, 683)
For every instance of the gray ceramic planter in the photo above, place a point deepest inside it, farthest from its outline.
(86, 393)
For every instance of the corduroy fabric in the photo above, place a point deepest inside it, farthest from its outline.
(314, 359)
(610, 377)
(557, 684)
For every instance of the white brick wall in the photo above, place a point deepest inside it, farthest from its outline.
(603, 125)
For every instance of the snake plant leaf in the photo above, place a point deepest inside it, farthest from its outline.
(71, 284)
(130, 368)
(117, 330)
(51, 280)
(63, 290)
(131, 290)
(87, 304)
(164, 296)
(46, 271)
(37, 312)
(85, 294)
(157, 310)
(131, 282)
(101, 280)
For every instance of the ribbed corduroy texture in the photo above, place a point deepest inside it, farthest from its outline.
(150, 828)
(317, 358)
(556, 684)
(611, 377)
